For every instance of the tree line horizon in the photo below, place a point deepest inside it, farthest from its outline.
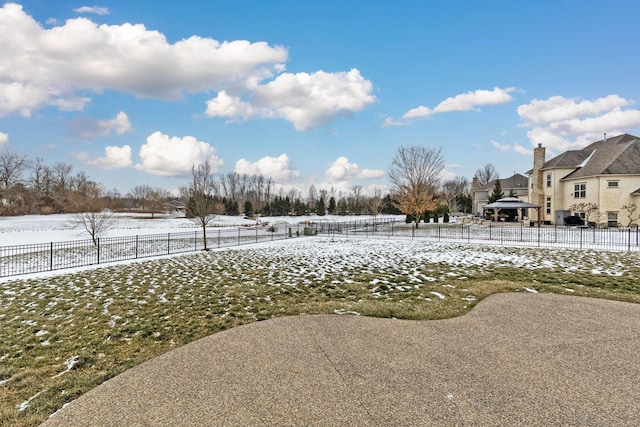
(33, 187)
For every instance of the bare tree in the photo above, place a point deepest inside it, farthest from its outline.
(415, 173)
(453, 189)
(95, 223)
(375, 203)
(150, 199)
(95, 219)
(12, 165)
(486, 174)
(630, 209)
(590, 210)
(202, 205)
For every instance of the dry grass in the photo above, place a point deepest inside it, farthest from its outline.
(65, 334)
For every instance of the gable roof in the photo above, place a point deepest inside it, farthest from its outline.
(619, 155)
(514, 182)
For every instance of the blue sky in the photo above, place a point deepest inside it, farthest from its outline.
(323, 92)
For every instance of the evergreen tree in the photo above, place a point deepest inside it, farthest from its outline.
(342, 207)
(332, 205)
(248, 208)
(320, 208)
(497, 193)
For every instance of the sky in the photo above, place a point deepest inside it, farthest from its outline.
(311, 92)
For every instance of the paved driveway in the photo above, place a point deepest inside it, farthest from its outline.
(515, 359)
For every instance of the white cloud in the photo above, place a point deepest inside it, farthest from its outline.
(500, 146)
(84, 127)
(569, 123)
(4, 138)
(232, 107)
(115, 158)
(558, 108)
(388, 122)
(173, 156)
(342, 170)
(278, 168)
(463, 102)
(522, 150)
(93, 9)
(307, 100)
(52, 67)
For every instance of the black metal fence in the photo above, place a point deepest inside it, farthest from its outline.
(35, 258)
(606, 238)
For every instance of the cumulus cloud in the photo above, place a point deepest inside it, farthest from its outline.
(342, 170)
(570, 123)
(93, 9)
(114, 158)
(307, 100)
(512, 147)
(53, 67)
(463, 102)
(388, 122)
(174, 156)
(4, 139)
(277, 168)
(89, 128)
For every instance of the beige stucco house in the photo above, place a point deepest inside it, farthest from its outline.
(515, 184)
(605, 174)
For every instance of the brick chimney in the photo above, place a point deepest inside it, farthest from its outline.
(474, 188)
(536, 194)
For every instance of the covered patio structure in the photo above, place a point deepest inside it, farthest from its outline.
(510, 203)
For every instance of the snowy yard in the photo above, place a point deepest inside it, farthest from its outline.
(65, 332)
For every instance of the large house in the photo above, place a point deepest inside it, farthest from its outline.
(516, 184)
(604, 175)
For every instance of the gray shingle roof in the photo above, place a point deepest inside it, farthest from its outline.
(514, 182)
(619, 155)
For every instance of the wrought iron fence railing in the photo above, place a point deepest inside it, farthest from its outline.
(609, 238)
(36, 258)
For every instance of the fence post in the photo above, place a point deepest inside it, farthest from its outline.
(168, 243)
(256, 234)
(98, 245)
(238, 235)
(218, 237)
(51, 257)
(195, 240)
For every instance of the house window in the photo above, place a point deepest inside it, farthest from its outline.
(548, 205)
(613, 184)
(548, 180)
(612, 219)
(580, 190)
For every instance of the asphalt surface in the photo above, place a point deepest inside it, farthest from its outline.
(515, 359)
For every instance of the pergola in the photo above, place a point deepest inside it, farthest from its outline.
(511, 203)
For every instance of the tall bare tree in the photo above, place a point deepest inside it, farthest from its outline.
(200, 194)
(415, 173)
(12, 165)
(453, 189)
(486, 174)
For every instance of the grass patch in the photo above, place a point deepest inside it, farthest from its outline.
(62, 335)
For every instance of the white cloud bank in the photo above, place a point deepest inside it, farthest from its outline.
(343, 170)
(89, 128)
(98, 10)
(469, 101)
(174, 156)
(115, 158)
(4, 139)
(277, 168)
(570, 123)
(306, 100)
(60, 66)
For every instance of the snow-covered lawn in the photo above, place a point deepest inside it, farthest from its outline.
(63, 333)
